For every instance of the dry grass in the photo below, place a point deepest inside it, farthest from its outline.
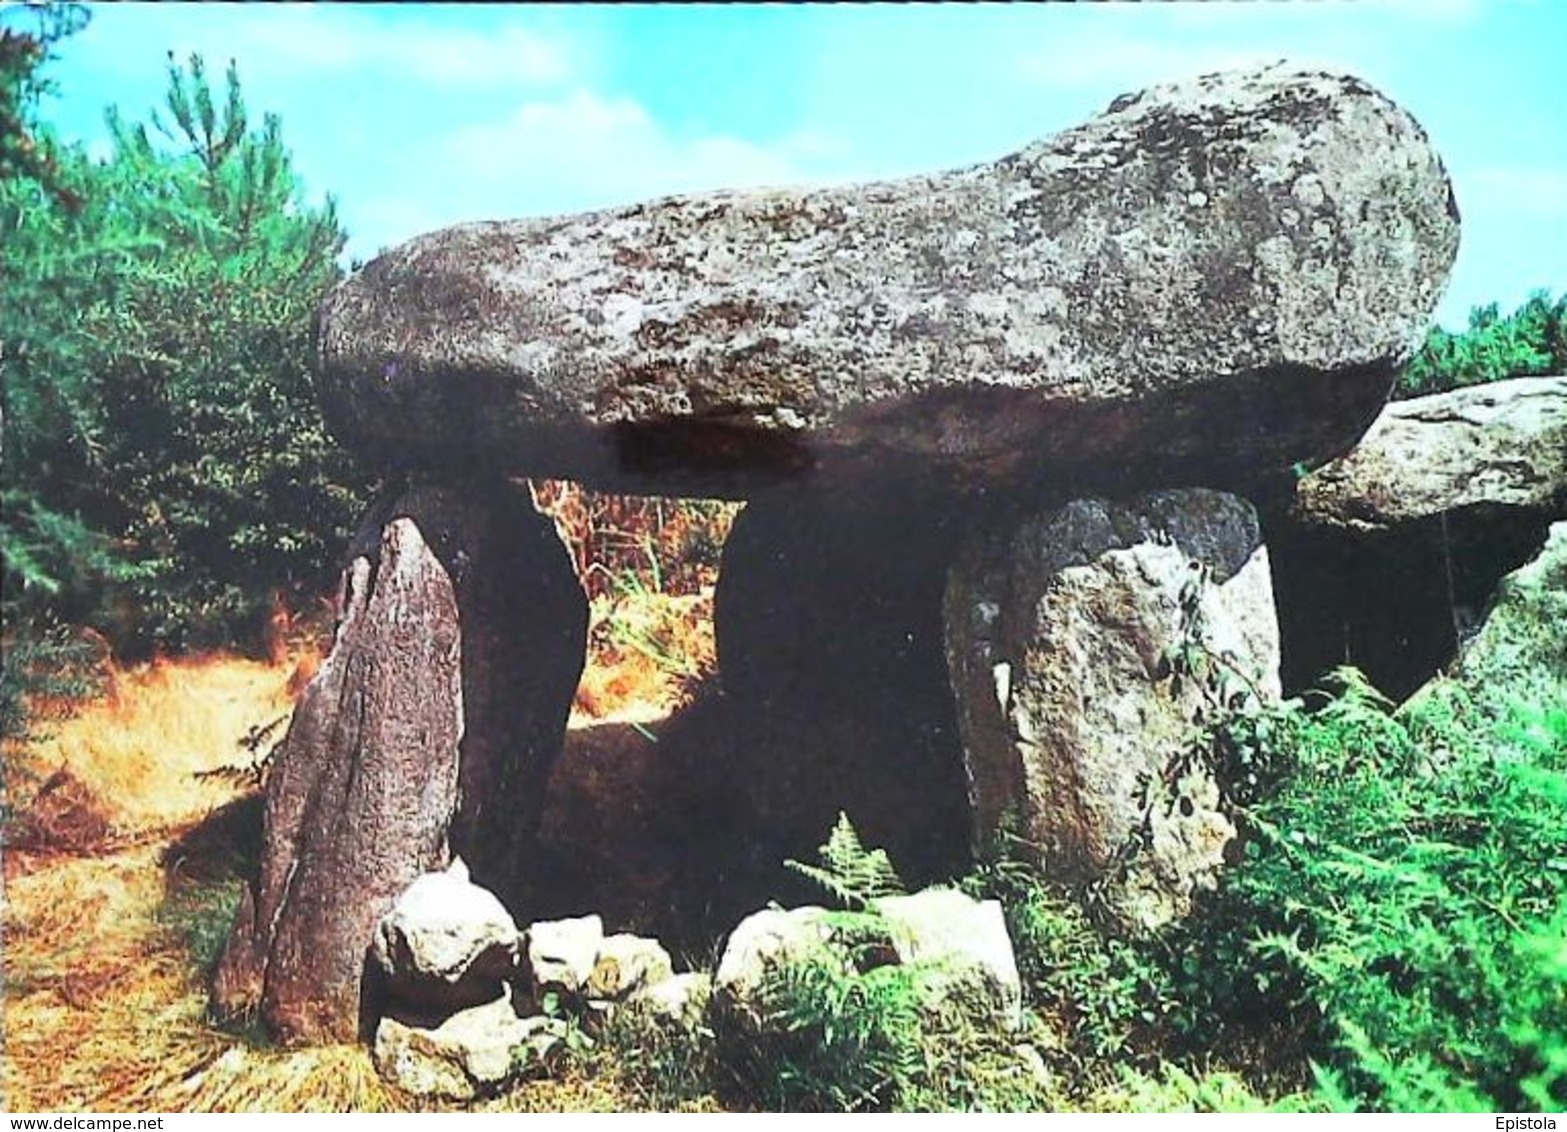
(647, 654)
(106, 1012)
(105, 995)
(143, 744)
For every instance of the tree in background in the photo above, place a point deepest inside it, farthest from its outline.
(168, 474)
(1529, 342)
(40, 547)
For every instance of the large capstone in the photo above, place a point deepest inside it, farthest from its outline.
(1262, 248)
(1089, 646)
(429, 730)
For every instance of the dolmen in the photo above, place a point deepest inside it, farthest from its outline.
(999, 432)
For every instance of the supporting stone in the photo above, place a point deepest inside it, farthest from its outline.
(828, 619)
(1088, 645)
(1388, 558)
(428, 730)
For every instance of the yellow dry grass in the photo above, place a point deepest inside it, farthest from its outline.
(106, 1012)
(647, 652)
(141, 746)
(106, 1005)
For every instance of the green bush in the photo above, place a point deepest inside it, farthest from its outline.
(848, 1028)
(1101, 996)
(167, 472)
(1531, 341)
(1400, 899)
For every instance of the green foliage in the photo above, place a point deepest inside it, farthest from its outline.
(23, 52)
(849, 872)
(851, 1032)
(1530, 341)
(850, 1039)
(1100, 994)
(1401, 904)
(850, 1028)
(663, 1064)
(158, 402)
(1173, 1089)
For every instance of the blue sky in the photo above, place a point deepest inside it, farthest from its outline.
(417, 116)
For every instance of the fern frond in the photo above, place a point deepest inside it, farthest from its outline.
(849, 872)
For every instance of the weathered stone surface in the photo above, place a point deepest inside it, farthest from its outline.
(1526, 631)
(1262, 246)
(561, 954)
(1070, 636)
(1501, 446)
(759, 944)
(447, 943)
(1388, 557)
(471, 1053)
(968, 937)
(627, 964)
(828, 622)
(428, 730)
(961, 945)
(680, 1000)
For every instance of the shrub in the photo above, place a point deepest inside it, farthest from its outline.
(1530, 341)
(1100, 995)
(167, 471)
(1399, 901)
(848, 1028)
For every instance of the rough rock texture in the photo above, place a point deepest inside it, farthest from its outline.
(1526, 631)
(428, 730)
(1497, 446)
(964, 941)
(1388, 557)
(680, 1000)
(1264, 245)
(1072, 637)
(446, 944)
(625, 965)
(968, 936)
(828, 622)
(758, 944)
(471, 1053)
(561, 954)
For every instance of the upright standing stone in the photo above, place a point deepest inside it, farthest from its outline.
(1073, 638)
(828, 619)
(429, 728)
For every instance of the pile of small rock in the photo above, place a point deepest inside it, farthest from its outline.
(472, 1004)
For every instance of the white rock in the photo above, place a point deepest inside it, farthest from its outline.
(562, 953)
(627, 964)
(446, 943)
(967, 936)
(473, 1052)
(680, 999)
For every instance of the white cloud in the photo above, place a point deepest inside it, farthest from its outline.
(308, 40)
(585, 150)
(576, 152)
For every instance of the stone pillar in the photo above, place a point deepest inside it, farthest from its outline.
(828, 620)
(430, 728)
(1072, 637)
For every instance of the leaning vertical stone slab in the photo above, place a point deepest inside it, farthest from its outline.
(394, 746)
(828, 622)
(1069, 634)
